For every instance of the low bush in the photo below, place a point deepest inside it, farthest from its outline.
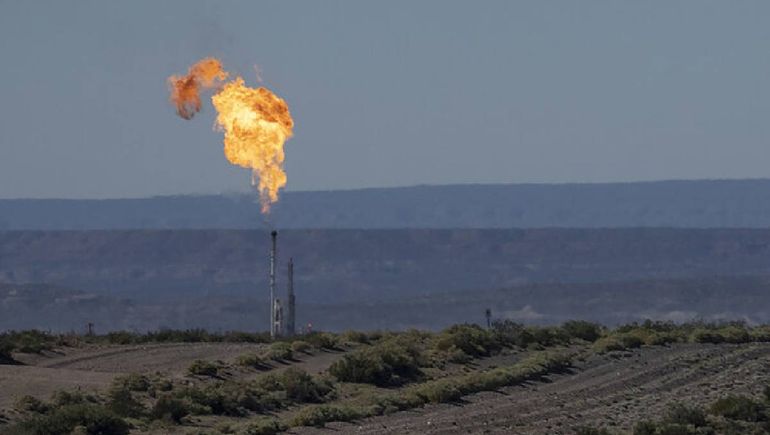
(665, 428)
(64, 398)
(263, 426)
(253, 361)
(231, 399)
(122, 337)
(122, 402)
(355, 337)
(731, 333)
(6, 349)
(93, 418)
(170, 408)
(388, 363)
(300, 346)
(245, 337)
(319, 415)
(760, 333)
(203, 368)
(30, 341)
(323, 340)
(279, 351)
(619, 341)
(451, 389)
(510, 333)
(583, 330)
(296, 384)
(547, 336)
(470, 339)
(28, 403)
(735, 334)
(182, 336)
(133, 382)
(739, 408)
(588, 430)
(685, 415)
(301, 387)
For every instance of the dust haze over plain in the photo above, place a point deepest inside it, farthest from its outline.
(387, 94)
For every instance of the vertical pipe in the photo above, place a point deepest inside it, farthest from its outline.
(290, 299)
(273, 236)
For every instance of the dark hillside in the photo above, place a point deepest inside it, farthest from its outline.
(364, 266)
(684, 204)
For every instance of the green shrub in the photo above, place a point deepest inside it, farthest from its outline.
(583, 330)
(509, 333)
(355, 337)
(263, 426)
(279, 351)
(323, 340)
(246, 337)
(440, 391)
(122, 403)
(203, 368)
(319, 415)
(384, 364)
(252, 360)
(64, 398)
(301, 387)
(619, 341)
(739, 408)
(548, 336)
(735, 334)
(31, 404)
(588, 430)
(706, 336)
(645, 428)
(685, 415)
(300, 346)
(232, 399)
(760, 334)
(457, 356)
(452, 389)
(94, 418)
(6, 349)
(471, 339)
(122, 337)
(608, 344)
(663, 428)
(133, 382)
(194, 335)
(30, 341)
(169, 408)
(399, 402)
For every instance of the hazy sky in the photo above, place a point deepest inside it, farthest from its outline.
(387, 93)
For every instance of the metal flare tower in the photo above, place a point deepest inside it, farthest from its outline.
(289, 329)
(273, 329)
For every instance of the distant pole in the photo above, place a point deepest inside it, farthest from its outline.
(488, 314)
(290, 318)
(273, 236)
(90, 329)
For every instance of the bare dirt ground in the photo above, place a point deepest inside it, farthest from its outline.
(94, 367)
(610, 390)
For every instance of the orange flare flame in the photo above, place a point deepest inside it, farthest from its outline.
(185, 90)
(256, 123)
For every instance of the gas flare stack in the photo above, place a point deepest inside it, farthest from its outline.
(281, 325)
(289, 329)
(275, 305)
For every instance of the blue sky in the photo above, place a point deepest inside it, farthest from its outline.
(387, 93)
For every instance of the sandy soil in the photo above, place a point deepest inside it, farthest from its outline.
(615, 391)
(94, 367)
